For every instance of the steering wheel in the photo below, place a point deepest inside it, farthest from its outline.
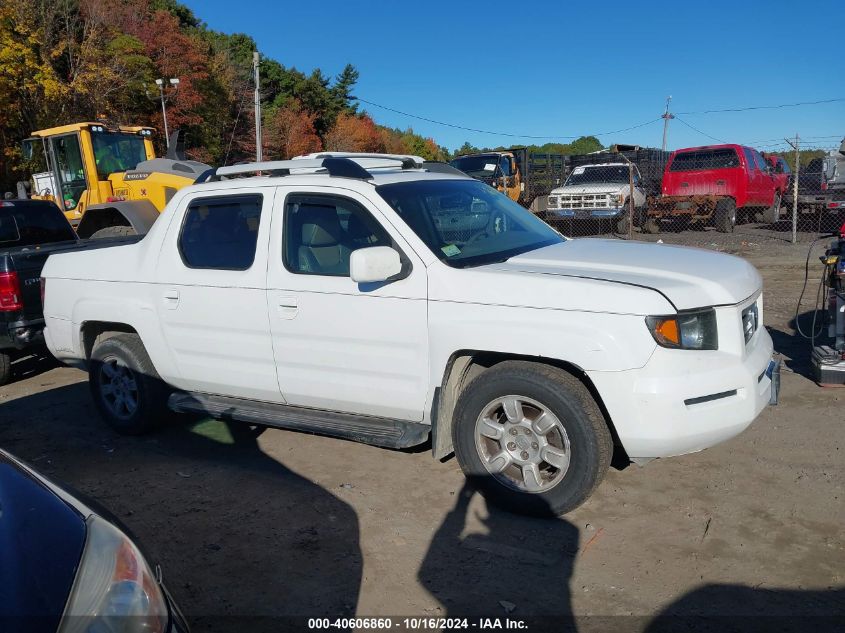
(495, 225)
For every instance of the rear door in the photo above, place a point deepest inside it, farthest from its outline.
(766, 189)
(212, 294)
(752, 179)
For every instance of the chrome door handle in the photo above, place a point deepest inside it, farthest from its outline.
(288, 307)
(171, 298)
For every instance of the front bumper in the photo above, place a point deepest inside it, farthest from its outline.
(586, 214)
(683, 401)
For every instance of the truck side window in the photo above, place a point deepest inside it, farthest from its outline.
(322, 231)
(221, 232)
(505, 166)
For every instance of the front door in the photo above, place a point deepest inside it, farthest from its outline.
(212, 295)
(340, 345)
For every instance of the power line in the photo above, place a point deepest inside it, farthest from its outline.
(766, 107)
(695, 129)
(470, 129)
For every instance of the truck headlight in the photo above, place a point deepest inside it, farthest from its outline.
(114, 590)
(694, 329)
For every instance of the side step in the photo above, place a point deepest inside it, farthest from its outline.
(358, 428)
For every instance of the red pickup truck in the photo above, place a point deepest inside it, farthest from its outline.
(716, 185)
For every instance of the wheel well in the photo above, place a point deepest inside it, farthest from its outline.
(92, 330)
(465, 365)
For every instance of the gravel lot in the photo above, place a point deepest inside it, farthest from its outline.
(255, 522)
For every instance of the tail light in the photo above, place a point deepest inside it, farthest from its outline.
(10, 292)
(824, 185)
(43, 290)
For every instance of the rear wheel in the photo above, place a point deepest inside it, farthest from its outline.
(113, 231)
(725, 215)
(531, 438)
(126, 388)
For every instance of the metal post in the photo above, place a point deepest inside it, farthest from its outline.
(160, 83)
(258, 150)
(795, 188)
(666, 116)
(631, 202)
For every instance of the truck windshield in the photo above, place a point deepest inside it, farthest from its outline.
(599, 173)
(465, 222)
(477, 166)
(115, 151)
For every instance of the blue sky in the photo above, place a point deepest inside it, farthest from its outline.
(557, 69)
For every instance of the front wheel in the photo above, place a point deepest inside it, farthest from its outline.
(113, 231)
(771, 215)
(532, 438)
(126, 388)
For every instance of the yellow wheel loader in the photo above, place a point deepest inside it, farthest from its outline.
(107, 180)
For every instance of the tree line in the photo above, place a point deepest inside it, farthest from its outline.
(66, 61)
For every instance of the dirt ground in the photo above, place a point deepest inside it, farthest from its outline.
(255, 522)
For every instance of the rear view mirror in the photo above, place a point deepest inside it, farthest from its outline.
(374, 264)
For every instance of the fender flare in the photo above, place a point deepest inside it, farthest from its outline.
(139, 214)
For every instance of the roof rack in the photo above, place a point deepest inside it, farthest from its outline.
(407, 161)
(344, 165)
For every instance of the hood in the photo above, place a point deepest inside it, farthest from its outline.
(687, 277)
(41, 542)
(593, 187)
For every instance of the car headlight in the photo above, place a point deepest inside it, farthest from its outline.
(114, 590)
(694, 329)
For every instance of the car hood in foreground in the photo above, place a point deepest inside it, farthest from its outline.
(41, 543)
(687, 277)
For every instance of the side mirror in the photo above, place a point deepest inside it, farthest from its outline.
(26, 149)
(374, 264)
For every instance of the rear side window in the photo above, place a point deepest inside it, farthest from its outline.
(221, 233)
(27, 224)
(705, 159)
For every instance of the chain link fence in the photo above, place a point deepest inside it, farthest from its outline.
(699, 194)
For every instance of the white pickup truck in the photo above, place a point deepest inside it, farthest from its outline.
(382, 300)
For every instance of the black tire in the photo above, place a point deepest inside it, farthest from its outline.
(651, 225)
(589, 441)
(125, 354)
(725, 215)
(113, 231)
(623, 224)
(771, 215)
(5, 368)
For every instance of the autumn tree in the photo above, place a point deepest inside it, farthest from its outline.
(354, 133)
(290, 132)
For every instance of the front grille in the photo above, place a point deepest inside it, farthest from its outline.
(585, 201)
(750, 321)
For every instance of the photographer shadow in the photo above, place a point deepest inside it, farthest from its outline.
(514, 567)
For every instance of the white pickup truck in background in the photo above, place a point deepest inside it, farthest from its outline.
(600, 191)
(387, 301)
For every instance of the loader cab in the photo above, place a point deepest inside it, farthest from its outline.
(72, 164)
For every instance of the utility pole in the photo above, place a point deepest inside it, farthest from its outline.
(258, 153)
(666, 116)
(174, 81)
(794, 143)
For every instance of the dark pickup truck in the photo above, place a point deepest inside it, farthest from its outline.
(30, 231)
